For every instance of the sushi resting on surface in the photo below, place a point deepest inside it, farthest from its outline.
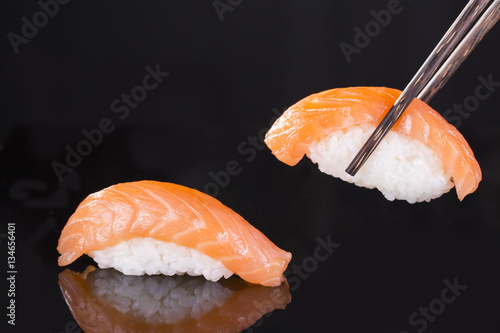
(150, 227)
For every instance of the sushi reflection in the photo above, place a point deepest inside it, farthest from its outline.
(105, 300)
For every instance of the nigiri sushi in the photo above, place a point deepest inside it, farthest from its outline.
(150, 227)
(421, 158)
(104, 300)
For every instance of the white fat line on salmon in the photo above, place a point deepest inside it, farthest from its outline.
(121, 106)
(29, 29)
(482, 92)
(248, 149)
(298, 273)
(372, 29)
(420, 320)
(222, 6)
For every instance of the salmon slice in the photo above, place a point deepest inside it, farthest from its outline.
(237, 306)
(176, 214)
(323, 113)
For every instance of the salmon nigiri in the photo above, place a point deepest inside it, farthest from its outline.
(150, 227)
(422, 157)
(104, 300)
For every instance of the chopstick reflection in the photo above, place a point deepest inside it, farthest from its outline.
(105, 300)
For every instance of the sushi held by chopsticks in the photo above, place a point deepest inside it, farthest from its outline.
(150, 227)
(421, 158)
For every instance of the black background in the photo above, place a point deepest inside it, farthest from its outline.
(226, 78)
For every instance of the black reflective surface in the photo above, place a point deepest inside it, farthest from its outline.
(360, 263)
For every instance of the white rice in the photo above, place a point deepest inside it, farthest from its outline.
(158, 299)
(140, 256)
(401, 167)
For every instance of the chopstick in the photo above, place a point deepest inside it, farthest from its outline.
(470, 41)
(424, 84)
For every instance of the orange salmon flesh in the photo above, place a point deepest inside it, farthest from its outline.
(172, 213)
(323, 113)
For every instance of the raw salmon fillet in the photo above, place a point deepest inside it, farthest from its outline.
(320, 114)
(172, 213)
